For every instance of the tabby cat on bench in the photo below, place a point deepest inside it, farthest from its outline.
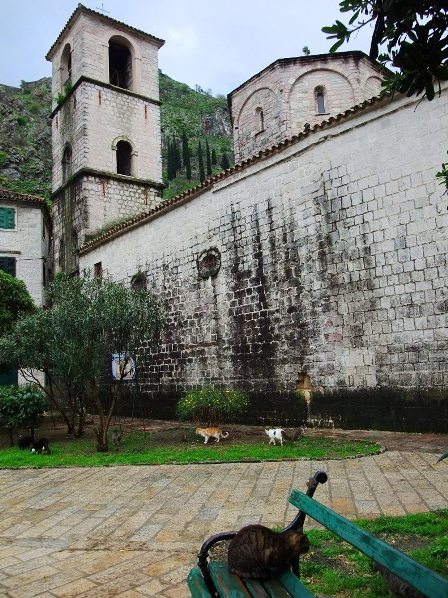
(257, 552)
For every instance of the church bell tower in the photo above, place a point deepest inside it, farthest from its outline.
(105, 117)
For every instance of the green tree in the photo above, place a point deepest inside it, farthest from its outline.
(225, 164)
(208, 158)
(186, 155)
(20, 406)
(89, 320)
(306, 51)
(170, 167)
(177, 156)
(15, 301)
(201, 163)
(413, 34)
(214, 158)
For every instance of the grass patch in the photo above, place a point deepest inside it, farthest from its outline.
(182, 446)
(334, 568)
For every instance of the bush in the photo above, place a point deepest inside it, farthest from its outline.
(212, 405)
(20, 406)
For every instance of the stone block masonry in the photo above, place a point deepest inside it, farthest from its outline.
(333, 263)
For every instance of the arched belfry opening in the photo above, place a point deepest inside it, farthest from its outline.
(120, 63)
(124, 158)
(66, 65)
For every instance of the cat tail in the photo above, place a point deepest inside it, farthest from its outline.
(225, 435)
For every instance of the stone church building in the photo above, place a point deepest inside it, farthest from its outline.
(318, 262)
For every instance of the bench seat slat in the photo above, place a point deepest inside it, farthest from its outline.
(270, 588)
(227, 585)
(197, 585)
(294, 586)
(428, 582)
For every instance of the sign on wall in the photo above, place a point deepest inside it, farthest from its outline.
(123, 366)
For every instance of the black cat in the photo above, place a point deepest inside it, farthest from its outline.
(41, 446)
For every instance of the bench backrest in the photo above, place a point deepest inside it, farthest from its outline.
(420, 577)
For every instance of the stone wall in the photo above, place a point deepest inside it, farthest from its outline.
(333, 263)
(286, 93)
(94, 119)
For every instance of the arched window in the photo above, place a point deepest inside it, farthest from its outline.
(319, 93)
(66, 66)
(260, 119)
(124, 158)
(120, 63)
(66, 163)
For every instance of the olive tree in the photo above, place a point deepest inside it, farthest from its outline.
(88, 320)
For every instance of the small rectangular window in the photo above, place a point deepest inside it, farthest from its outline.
(98, 270)
(8, 265)
(7, 218)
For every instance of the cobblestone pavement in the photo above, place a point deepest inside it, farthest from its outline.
(134, 531)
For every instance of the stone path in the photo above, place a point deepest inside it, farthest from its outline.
(134, 531)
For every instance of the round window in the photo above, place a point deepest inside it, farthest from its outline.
(209, 263)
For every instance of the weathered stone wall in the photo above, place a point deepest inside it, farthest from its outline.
(285, 91)
(88, 205)
(333, 263)
(92, 121)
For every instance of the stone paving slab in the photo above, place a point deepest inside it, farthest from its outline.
(134, 531)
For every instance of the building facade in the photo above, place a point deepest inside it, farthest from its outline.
(25, 247)
(105, 128)
(296, 93)
(321, 264)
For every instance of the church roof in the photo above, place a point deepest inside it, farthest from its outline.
(356, 54)
(83, 9)
(169, 204)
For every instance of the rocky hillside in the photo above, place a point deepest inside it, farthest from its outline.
(25, 135)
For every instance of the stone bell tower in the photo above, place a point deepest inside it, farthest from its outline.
(107, 162)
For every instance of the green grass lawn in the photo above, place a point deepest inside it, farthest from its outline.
(335, 568)
(145, 448)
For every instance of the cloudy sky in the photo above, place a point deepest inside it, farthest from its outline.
(216, 44)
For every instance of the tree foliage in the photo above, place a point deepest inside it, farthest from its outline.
(15, 301)
(20, 406)
(413, 35)
(186, 155)
(201, 163)
(89, 319)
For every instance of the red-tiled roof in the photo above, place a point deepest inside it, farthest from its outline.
(81, 8)
(178, 199)
(14, 196)
(7, 195)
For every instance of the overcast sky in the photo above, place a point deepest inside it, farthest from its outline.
(217, 44)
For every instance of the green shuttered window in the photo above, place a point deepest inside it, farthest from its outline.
(7, 218)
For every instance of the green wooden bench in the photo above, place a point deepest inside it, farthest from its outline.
(212, 579)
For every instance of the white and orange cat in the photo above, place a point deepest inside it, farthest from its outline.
(211, 432)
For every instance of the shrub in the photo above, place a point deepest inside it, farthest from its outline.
(212, 405)
(20, 406)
